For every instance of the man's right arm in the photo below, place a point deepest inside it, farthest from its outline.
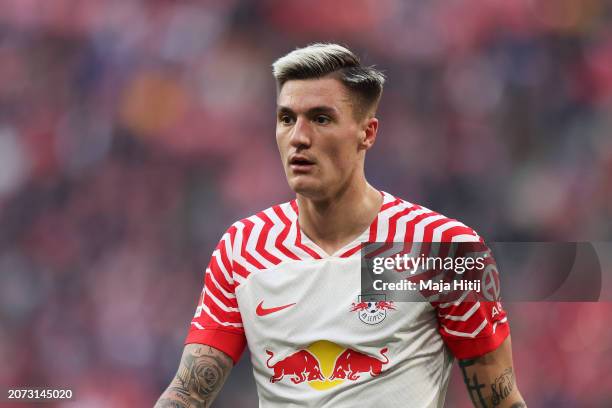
(201, 374)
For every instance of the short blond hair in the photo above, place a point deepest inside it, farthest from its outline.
(319, 60)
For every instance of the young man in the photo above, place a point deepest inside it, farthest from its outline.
(286, 280)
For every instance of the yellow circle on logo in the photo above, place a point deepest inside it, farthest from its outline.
(327, 353)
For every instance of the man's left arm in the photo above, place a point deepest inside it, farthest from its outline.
(490, 379)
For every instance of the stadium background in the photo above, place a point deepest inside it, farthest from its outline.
(133, 133)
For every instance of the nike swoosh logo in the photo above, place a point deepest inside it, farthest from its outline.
(261, 311)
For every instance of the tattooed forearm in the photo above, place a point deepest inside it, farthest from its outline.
(200, 376)
(475, 388)
(490, 379)
(201, 372)
(166, 403)
(175, 398)
(486, 393)
(502, 386)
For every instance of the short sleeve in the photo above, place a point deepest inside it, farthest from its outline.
(217, 321)
(472, 329)
(478, 326)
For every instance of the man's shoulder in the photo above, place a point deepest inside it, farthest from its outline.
(278, 216)
(425, 224)
(282, 213)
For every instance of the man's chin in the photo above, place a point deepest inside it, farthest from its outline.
(306, 187)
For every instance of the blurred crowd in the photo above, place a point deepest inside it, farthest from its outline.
(133, 133)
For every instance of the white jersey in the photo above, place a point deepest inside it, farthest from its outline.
(269, 287)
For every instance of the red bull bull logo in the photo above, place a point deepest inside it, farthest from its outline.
(351, 363)
(302, 365)
(324, 365)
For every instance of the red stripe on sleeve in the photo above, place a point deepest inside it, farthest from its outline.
(219, 276)
(223, 315)
(212, 289)
(231, 343)
(472, 348)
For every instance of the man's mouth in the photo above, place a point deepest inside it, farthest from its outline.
(300, 163)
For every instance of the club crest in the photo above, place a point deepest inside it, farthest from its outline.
(372, 309)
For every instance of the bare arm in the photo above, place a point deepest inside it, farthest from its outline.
(201, 374)
(490, 379)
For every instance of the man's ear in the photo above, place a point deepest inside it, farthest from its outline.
(369, 131)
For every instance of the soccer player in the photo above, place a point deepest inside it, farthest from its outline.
(286, 281)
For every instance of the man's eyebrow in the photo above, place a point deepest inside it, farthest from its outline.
(322, 109)
(283, 109)
(314, 110)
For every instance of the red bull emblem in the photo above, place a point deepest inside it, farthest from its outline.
(302, 365)
(372, 309)
(324, 365)
(351, 363)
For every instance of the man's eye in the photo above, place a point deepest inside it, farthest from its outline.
(322, 120)
(285, 120)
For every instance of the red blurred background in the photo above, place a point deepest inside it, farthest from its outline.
(133, 133)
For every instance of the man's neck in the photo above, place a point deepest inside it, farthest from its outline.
(334, 222)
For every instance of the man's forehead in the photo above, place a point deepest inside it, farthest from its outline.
(304, 94)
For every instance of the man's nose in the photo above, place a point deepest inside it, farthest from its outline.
(300, 134)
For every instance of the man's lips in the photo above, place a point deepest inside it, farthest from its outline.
(299, 163)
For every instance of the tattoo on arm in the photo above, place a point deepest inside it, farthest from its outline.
(200, 376)
(502, 386)
(473, 385)
(166, 403)
(491, 395)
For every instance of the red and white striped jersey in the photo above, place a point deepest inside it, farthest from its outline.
(270, 287)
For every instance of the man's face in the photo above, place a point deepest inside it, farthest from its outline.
(321, 143)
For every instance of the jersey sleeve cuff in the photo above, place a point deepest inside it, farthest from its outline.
(232, 344)
(473, 348)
